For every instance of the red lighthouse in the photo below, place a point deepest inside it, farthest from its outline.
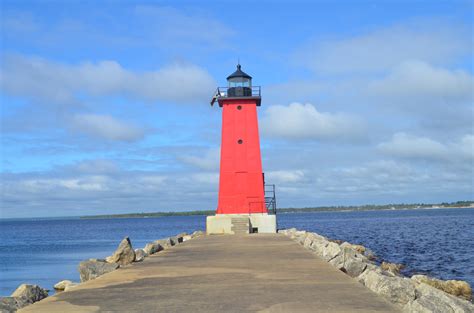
(242, 206)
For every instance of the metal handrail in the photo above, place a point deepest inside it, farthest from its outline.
(270, 199)
(269, 202)
(222, 91)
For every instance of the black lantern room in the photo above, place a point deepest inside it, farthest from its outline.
(240, 84)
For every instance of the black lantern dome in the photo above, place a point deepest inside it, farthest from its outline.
(239, 75)
(240, 83)
(239, 86)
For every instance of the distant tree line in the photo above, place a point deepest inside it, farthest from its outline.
(367, 207)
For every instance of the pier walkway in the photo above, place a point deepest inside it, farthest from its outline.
(226, 273)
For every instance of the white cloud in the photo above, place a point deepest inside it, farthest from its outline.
(435, 42)
(47, 185)
(412, 73)
(205, 178)
(209, 160)
(408, 146)
(297, 91)
(66, 192)
(373, 178)
(304, 121)
(284, 176)
(380, 181)
(106, 127)
(417, 80)
(404, 145)
(149, 181)
(40, 79)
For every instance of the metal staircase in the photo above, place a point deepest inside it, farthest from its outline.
(270, 199)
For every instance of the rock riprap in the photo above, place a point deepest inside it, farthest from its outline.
(350, 261)
(152, 248)
(162, 244)
(166, 243)
(396, 289)
(124, 254)
(60, 286)
(93, 268)
(430, 299)
(197, 233)
(420, 294)
(392, 267)
(30, 293)
(24, 295)
(90, 269)
(10, 304)
(178, 238)
(456, 288)
(140, 255)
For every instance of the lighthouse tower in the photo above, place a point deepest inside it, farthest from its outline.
(243, 206)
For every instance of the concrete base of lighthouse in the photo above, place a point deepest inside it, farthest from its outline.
(241, 224)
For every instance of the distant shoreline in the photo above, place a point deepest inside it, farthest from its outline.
(388, 207)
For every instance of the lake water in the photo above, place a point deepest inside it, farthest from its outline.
(45, 251)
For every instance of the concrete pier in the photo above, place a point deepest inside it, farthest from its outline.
(222, 273)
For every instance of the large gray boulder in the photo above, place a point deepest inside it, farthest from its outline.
(93, 268)
(310, 238)
(325, 249)
(152, 248)
(165, 243)
(358, 248)
(60, 286)
(124, 254)
(178, 238)
(458, 288)
(432, 300)
(24, 295)
(350, 262)
(187, 237)
(140, 255)
(30, 293)
(301, 237)
(398, 290)
(197, 233)
(11, 304)
(175, 240)
(426, 305)
(296, 234)
(320, 245)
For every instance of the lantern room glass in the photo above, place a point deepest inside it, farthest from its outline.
(239, 82)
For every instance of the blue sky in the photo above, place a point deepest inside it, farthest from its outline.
(104, 106)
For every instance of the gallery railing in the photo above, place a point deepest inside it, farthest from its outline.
(237, 92)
